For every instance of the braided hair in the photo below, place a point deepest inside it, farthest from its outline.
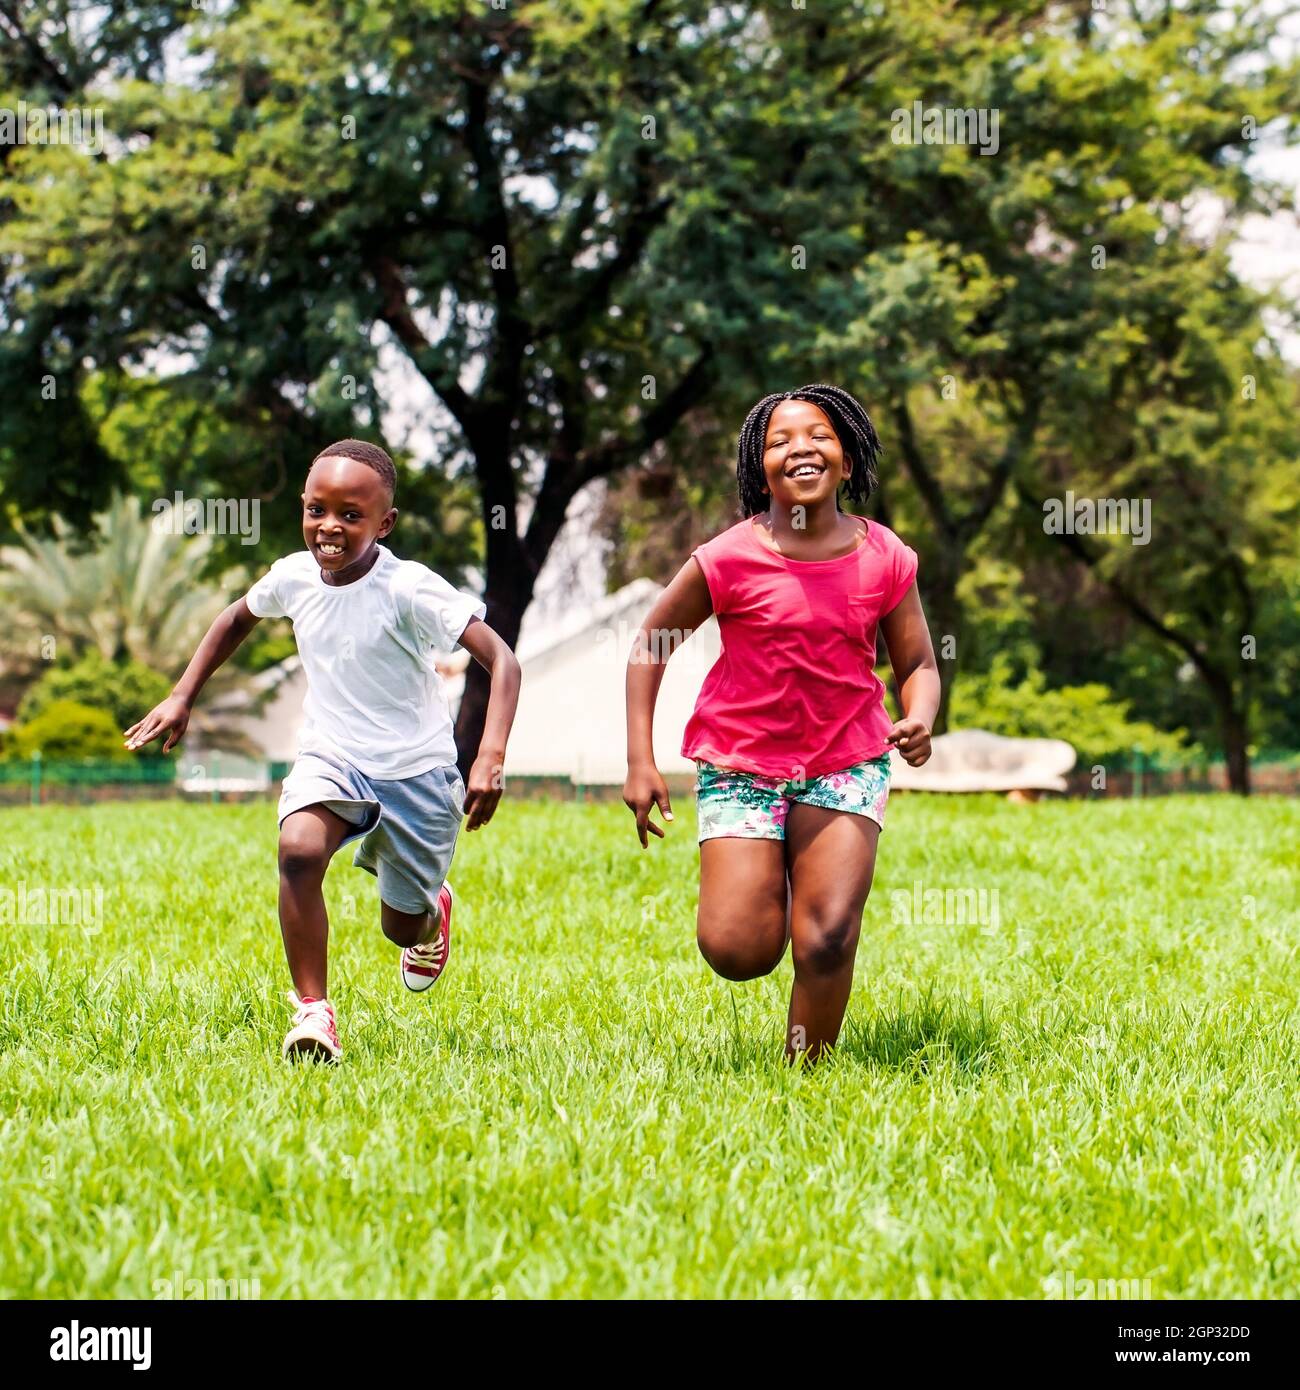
(852, 424)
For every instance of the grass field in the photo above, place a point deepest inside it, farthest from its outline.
(1095, 1082)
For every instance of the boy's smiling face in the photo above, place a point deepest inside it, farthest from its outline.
(803, 464)
(345, 509)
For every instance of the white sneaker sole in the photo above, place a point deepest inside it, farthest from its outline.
(307, 1045)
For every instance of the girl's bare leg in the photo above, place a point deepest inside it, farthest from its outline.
(308, 839)
(832, 856)
(742, 923)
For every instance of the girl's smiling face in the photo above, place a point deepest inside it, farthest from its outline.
(803, 464)
(345, 509)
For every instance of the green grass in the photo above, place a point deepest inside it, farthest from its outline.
(1102, 1084)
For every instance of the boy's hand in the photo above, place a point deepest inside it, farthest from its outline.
(171, 717)
(912, 739)
(483, 790)
(643, 790)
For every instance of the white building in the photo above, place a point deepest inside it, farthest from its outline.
(572, 720)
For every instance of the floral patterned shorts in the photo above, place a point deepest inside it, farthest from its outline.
(752, 807)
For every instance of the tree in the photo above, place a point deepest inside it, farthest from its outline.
(65, 729)
(122, 689)
(589, 227)
(1023, 285)
(553, 196)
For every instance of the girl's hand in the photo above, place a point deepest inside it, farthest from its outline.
(483, 790)
(643, 790)
(912, 739)
(171, 717)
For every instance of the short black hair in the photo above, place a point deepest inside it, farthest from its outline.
(852, 424)
(369, 454)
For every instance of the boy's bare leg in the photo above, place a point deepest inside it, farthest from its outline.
(308, 840)
(832, 858)
(407, 928)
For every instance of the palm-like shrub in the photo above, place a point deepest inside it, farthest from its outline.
(130, 592)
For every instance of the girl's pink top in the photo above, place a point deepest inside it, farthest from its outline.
(793, 694)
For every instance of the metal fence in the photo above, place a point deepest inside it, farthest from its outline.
(217, 777)
(1272, 772)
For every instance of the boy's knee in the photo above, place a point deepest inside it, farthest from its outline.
(403, 933)
(300, 858)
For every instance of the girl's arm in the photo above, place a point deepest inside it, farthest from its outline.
(172, 716)
(490, 650)
(679, 610)
(911, 654)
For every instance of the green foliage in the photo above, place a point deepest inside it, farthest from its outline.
(267, 645)
(321, 185)
(123, 689)
(129, 592)
(66, 729)
(1089, 717)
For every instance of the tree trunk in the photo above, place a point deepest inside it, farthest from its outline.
(1232, 725)
(944, 616)
(507, 599)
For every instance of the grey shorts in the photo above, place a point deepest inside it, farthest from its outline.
(407, 828)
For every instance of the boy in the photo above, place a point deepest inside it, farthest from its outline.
(376, 757)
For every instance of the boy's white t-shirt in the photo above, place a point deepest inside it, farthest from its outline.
(373, 696)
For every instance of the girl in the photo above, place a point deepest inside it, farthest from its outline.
(790, 735)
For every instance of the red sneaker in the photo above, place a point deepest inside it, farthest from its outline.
(421, 965)
(314, 1035)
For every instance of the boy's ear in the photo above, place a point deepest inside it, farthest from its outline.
(389, 521)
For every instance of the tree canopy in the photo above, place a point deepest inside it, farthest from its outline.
(598, 231)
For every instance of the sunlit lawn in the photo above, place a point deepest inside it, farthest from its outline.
(1097, 1078)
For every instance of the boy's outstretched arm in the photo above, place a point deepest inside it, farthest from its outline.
(172, 716)
(678, 611)
(911, 653)
(483, 790)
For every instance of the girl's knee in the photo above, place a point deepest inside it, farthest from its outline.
(737, 957)
(827, 945)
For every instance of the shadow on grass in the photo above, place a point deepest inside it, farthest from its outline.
(926, 1033)
(916, 1037)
